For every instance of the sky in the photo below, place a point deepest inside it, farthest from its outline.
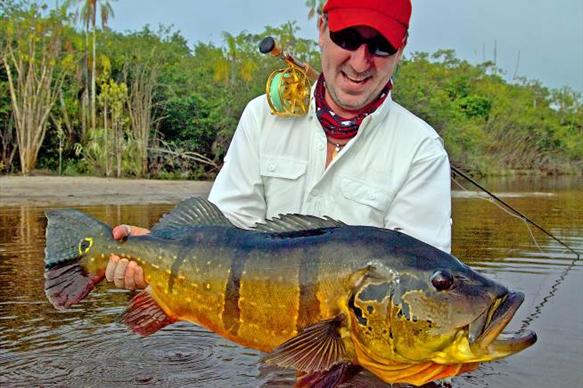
(537, 39)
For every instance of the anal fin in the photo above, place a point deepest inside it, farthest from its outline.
(144, 315)
(338, 374)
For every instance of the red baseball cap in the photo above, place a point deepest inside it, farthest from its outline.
(389, 17)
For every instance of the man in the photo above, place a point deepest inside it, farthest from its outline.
(357, 156)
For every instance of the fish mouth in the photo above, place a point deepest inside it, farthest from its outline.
(485, 333)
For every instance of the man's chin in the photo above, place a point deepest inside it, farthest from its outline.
(353, 104)
(348, 101)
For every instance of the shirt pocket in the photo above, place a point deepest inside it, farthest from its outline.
(284, 181)
(284, 168)
(363, 193)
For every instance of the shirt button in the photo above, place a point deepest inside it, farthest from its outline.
(271, 166)
(372, 196)
(320, 146)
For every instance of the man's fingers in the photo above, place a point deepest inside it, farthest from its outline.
(137, 231)
(121, 231)
(119, 274)
(130, 283)
(110, 269)
(139, 277)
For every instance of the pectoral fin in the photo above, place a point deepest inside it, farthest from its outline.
(317, 348)
(144, 315)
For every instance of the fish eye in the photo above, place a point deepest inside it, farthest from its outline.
(442, 280)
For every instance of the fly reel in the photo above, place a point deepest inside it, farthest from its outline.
(288, 89)
(288, 92)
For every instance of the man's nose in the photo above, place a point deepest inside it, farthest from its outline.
(361, 59)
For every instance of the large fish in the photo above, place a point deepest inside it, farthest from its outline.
(322, 297)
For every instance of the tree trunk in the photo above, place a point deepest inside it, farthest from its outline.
(93, 107)
(140, 106)
(30, 59)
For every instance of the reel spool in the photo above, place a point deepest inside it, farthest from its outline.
(288, 92)
(288, 89)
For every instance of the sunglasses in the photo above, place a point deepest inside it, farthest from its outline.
(350, 39)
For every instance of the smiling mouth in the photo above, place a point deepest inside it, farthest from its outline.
(485, 333)
(356, 80)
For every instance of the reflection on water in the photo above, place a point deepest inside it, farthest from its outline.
(85, 346)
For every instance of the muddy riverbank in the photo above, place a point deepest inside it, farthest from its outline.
(49, 190)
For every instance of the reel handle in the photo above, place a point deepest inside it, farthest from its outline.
(269, 46)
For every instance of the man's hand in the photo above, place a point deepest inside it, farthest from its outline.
(124, 273)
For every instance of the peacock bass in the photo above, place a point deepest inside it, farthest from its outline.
(319, 296)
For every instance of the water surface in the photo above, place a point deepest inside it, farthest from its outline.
(84, 346)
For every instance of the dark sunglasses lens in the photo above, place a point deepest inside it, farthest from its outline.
(350, 39)
(381, 47)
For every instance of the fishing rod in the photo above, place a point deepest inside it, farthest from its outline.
(288, 94)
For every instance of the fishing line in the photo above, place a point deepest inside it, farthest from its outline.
(538, 308)
(515, 213)
(489, 199)
(513, 210)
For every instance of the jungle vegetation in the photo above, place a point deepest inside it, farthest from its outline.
(77, 98)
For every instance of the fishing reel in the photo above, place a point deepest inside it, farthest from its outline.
(288, 89)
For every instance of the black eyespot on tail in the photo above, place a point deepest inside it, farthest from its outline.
(85, 244)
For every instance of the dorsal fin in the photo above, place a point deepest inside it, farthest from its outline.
(295, 223)
(191, 212)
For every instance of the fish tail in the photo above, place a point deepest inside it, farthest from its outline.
(71, 267)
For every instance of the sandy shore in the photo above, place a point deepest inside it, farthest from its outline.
(51, 190)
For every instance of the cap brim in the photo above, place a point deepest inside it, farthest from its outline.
(392, 30)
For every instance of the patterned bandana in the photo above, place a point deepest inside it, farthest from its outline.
(339, 127)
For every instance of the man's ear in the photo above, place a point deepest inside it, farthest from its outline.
(400, 54)
(322, 25)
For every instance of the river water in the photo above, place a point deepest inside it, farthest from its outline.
(85, 346)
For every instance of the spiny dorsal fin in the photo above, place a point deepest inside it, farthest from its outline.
(191, 212)
(295, 223)
(317, 348)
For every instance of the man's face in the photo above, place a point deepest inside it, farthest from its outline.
(353, 78)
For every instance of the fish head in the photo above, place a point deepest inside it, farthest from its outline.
(432, 311)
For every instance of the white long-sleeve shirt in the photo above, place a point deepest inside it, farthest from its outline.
(394, 173)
